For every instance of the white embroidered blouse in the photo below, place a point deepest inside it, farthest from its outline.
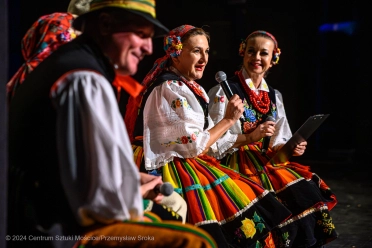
(173, 126)
(217, 111)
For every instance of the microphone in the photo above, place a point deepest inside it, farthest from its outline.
(165, 189)
(266, 140)
(221, 79)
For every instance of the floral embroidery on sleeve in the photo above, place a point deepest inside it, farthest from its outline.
(182, 140)
(219, 99)
(179, 103)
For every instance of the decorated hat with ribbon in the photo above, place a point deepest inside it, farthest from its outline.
(142, 8)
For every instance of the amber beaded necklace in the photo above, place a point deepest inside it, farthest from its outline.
(261, 102)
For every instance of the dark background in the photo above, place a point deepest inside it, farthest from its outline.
(320, 72)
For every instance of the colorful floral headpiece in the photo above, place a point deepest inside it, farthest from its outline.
(276, 52)
(172, 48)
(172, 42)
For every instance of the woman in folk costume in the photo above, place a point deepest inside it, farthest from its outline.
(178, 131)
(43, 38)
(299, 189)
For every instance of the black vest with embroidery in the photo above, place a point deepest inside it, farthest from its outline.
(252, 116)
(35, 191)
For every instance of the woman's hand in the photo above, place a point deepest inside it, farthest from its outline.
(263, 130)
(300, 149)
(234, 109)
(148, 183)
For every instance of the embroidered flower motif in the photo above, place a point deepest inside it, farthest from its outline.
(327, 223)
(219, 99)
(248, 228)
(249, 126)
(269, 242)
(250, 114)
(178, 103)
(182, 140)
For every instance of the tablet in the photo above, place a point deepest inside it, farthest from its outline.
(302, 134)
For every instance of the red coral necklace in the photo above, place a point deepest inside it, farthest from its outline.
(261, 102)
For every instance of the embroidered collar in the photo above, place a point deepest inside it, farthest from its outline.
(263, 85)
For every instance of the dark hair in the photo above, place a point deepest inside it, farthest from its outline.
(195, 31)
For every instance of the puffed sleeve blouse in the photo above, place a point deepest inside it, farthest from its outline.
(174, 125)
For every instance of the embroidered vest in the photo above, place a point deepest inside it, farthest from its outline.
(252, 117)
(36, 195)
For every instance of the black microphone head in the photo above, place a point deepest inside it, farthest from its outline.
(166, 189)
(270, 118)
(220, 76)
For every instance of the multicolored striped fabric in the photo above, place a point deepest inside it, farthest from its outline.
(303, 192)
(221, 199)
(146, 234)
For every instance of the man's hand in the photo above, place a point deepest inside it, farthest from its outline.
(148, 183)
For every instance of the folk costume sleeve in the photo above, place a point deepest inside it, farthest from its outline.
(173, 125)
(97, 169)
(217, 109)
(282, 130)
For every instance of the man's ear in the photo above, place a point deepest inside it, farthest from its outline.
(105, 23)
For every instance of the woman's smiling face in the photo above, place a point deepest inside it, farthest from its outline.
(258, 55)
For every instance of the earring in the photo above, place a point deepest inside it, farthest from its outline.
(116, 66)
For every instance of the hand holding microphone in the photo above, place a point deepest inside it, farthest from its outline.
(153, 188)
(221, 79)
(266, 140)
(165, 189)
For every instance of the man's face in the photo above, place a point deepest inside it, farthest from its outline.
(127, 47)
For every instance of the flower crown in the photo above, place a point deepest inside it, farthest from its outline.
(276, 52)
(173, 45)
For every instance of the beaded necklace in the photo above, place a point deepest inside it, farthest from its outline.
(260, 102)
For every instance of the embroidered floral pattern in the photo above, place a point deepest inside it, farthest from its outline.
(219, 99)
(326, 223)
(253, 117)
(180, 103)
(269, 242)
(182, 140)
(250, 226)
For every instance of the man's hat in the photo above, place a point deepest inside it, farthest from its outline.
(143, 8)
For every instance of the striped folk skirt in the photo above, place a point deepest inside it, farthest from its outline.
(230, 206)
(303, 192)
